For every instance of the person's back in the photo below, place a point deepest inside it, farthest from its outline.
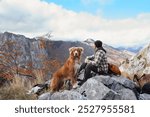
(97, 63)
(102, 62)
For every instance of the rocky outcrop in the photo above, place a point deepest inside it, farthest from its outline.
(100, 88)
(138, 64)
(144, 96)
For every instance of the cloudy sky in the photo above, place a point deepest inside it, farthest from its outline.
(115, 22)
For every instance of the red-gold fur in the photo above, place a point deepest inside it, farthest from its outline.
(68, 70)
(114, 69)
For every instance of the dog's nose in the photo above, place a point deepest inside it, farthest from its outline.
(75, 53)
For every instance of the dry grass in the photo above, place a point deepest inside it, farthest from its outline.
(17, 90)
(39, 76)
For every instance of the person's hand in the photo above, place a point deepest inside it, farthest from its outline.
(87, 60)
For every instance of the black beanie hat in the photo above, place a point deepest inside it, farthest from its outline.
(98, 43)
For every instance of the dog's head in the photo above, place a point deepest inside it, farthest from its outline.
(76, 52)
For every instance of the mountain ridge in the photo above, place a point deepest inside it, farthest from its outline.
(48, 55)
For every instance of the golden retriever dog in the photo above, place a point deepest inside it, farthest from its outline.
(68, 70)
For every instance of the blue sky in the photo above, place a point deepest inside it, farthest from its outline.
(112, 9)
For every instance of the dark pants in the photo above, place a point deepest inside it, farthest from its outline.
(88, 69)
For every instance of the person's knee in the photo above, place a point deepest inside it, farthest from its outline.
(84, 64)
(89, 66)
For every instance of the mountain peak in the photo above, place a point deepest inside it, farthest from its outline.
(48, 35)
(89, 40)
(7, 33)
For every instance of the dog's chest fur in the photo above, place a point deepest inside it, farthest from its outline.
(76, 66)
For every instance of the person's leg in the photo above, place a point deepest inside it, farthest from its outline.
(83, 66)
(102, 73)
(87, 74)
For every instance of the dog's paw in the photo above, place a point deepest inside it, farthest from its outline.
(75, 86)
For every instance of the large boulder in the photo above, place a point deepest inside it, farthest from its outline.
(144, 96)
(45, 96)
(65, 95)
(98, 88)
(94, 90)
(124, 87)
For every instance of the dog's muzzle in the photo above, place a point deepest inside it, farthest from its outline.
(75, 54)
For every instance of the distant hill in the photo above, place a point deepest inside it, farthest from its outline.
(46, 55)
(131, 49)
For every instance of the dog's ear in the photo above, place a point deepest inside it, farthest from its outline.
(110, 65)
(135, 77)
(143, 75)
(81, 49)
(71, 49)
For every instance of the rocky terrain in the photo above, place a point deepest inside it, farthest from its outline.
(100, 88)
(138, 64)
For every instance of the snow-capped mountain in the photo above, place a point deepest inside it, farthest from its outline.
(138, 64)
(47, 36)
(89, 41)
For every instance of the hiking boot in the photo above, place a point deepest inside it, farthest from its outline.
(79, 80)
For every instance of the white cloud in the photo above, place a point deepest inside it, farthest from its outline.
(35, 17)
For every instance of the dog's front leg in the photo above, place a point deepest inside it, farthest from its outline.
(74, 83)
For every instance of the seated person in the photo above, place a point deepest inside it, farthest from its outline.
(96, 63)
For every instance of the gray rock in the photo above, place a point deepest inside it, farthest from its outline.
(111, 95)
(144, 96)
(124, 87)
(129, 84)
(112, 84)
(93, 89)
(100, 78)
(127, 94)
(67, 95)
(45, 96)
(118, 82)
(98, 88)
